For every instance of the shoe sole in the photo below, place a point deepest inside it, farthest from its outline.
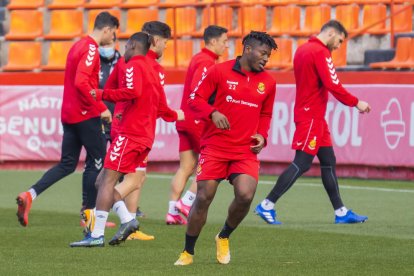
(88, 246)
(123, 237)
(20, 211)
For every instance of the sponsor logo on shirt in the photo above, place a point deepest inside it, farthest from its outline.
(91, 54)
(230, 99)
(261, 88)
(129, 77)
(332, 72)
(312, 144)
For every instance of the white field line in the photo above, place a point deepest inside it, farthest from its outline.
(309, 184)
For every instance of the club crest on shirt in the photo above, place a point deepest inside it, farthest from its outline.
(312, 144)
(261, 88)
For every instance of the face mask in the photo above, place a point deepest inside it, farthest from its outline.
(106, 52)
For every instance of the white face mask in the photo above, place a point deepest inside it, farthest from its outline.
(106, 52)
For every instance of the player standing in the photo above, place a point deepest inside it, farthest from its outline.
(81, 118)
(235, 99)
(315, 76)
(189, 130)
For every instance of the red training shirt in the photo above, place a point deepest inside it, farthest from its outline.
(245, 98)
(197, 68)
(315, 75)
(81, 76)
(142, 104)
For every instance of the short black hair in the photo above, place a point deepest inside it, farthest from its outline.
(142, 38)
(157, 28)
(105, 19)
(213, 31)
(254, 38)
(335, 24)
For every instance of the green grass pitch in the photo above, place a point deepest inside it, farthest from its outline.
(308, 242)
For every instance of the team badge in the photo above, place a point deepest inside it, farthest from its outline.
(261, 88)
(312, 144)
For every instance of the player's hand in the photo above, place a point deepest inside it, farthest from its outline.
(363, 107)
(118, 116)
(220, 120)
(180, 115)
(93, 93)
(259, 143)
(106, 116)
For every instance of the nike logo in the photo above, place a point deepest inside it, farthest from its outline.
(197, 122)
(83, 112)
(306, 108)
(299, 143)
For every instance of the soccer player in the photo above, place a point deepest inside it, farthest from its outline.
(81, 118)
(108, 56)
(235, 99)
(189, 130)
(315, 77)
(143, 98)
(161, 34)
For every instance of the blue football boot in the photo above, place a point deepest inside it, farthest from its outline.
(269, 216)
(350, 217)
(88, 241)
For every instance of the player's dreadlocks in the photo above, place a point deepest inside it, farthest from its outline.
(262, 37)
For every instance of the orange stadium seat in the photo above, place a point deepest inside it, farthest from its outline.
(348, 15)
(178, 2)
(25, 25)
(315, 17)
(403, 51)
(403, 21)
(254, 19)
(65, 24)
(282, 58)
(136, 19)
(374, 13)
(185, 20)
(66, 4)
(138, 3)
(339, 55)
(23, 56)
(102, 4)
(24, 4)
(94, 13)
(184, 54)
(219, 15)
(285, 20)
(58, 51)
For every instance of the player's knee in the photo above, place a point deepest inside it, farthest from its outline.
(68, 167)
(244, 199)
(302, 167)
(329, 161)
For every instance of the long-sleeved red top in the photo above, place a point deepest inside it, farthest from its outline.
(315, 75)
(81, 76)
(245, 98)
(166, 113)
(198, 67)
(142, 100)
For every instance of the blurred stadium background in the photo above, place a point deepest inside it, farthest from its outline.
(375, 62)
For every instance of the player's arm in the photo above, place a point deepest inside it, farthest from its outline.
(330, 80)
(164, 111)
(131, 92)
(198, 100)
(264, 121)
(84, 73)
(327, 72)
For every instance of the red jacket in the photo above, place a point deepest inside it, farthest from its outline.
(245, 98)
(315, 75)
(166, 113)
(142, 100)
(197, 68)
(81, 76)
